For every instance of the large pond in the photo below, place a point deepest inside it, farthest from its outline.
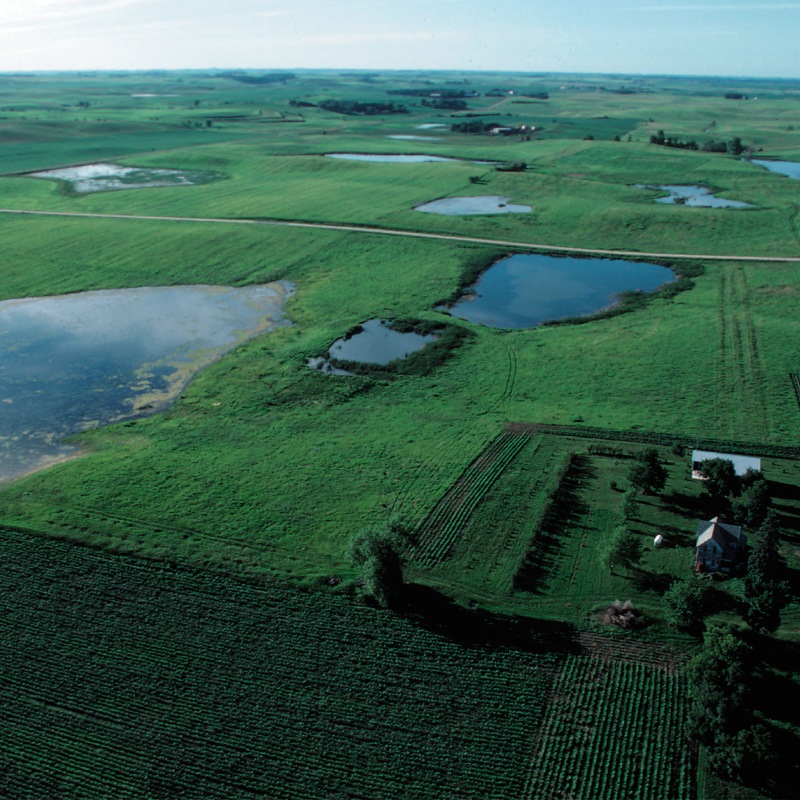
(372, 342)
(463, 206)
(699, 196)
(113, 177)
(525, 290)
(403, 158)
(79, 361)
(789, 168)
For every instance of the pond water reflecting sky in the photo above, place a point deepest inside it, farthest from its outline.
(78, 361)
(525, 290)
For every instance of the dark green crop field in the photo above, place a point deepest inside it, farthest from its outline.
(183, 615)
(173, 683)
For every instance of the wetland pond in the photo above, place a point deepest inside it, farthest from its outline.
(89, 178)
(78, 361)
(372, 342)
(791, 169)
(697, 196)
(465, 206)
(526, 290)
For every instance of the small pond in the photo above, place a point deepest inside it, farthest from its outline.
(789, 168)
(79, 361)
(113, 177)
(373, 342)
(458, 206)
(698, 196)
(411, 138)
(525, 290)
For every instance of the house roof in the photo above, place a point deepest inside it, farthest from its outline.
(728, 537)
(740, 463)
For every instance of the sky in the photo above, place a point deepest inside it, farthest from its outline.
(750, 38)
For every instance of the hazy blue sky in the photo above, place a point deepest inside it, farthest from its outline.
(700, 37)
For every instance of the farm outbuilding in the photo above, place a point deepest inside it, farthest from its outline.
(741, 464)
(720, 546)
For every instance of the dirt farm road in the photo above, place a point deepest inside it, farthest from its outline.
(409, 234)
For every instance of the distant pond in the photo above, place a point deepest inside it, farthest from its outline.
(78, 361)
(403, 158)
(465, 206)
(372, 342)
(410, 137)
(699, 196)
(390, 158)
(789, 168)
(89, 178)
(526, 290)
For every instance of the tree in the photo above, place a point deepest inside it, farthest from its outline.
(720, 477)
(735, 146)
(764, 606)
(383, 577)
(647, 473)
(751, 507)
(685, 601)
(630, 507)
(718, 684)
(763, 554)
(621, 549)
(377, 553)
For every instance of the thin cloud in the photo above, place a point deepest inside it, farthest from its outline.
(715, 7)
(36, 12)
(377, 37)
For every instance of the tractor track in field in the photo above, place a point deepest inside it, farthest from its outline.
(740, 368)
(327, 226)
(793, 223)
(449, 450)
(92, 514)
(794, 377)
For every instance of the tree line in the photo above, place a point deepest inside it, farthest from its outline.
(355, 108)
(732, 146)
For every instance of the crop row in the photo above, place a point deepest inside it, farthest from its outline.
(613, 729)
(795, 379)
(440, 530)
(132, 679)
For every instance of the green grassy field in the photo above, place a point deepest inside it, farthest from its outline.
(263, 469)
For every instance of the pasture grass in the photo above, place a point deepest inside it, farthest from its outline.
(258, 444)
(582, 194)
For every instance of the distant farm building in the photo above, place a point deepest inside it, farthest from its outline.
(741, 464)
(720, 546)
